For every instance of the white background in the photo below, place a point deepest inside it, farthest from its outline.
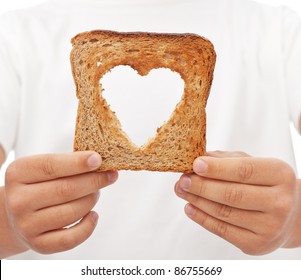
(232, 270)
(294, 4)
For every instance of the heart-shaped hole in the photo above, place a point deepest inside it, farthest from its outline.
(142, 104)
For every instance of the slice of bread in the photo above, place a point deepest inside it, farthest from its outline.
(180, 139)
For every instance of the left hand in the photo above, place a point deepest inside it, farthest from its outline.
(251, 202)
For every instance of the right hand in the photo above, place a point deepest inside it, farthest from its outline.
(46, 194)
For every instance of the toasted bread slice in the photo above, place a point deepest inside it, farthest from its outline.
(180, 139)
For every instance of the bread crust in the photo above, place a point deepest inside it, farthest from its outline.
(179, 140)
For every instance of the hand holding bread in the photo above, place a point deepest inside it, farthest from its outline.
(45, 194)
(250, 202)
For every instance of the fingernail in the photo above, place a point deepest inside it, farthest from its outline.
(94, 161)
(200, 166)
(94, 217)
(178, 189)
(185, 182)
(190, 210)
(112, 176)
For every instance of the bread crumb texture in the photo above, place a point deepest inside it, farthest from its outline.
(180, 139)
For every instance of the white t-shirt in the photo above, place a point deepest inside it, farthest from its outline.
(255, 95)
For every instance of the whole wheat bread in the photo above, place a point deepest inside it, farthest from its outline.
(180, 139)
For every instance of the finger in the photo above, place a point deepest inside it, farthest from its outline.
(64, 215)
(52, 166)
(66, 239)
(247, 170)
(63, 190)
(251, 220)
(228, 193)
(239, 237)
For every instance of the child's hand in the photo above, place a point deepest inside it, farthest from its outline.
(47, 193)
(250, 202)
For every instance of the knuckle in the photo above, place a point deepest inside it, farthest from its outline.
(201, 185)
(283, 205)
(220, 228)
(47, 167)
(245, 170)
(203, 219)
(233, 195)
(224, 211)
(65, 189)
(218, 169)
(97, 180)
(195, 200)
